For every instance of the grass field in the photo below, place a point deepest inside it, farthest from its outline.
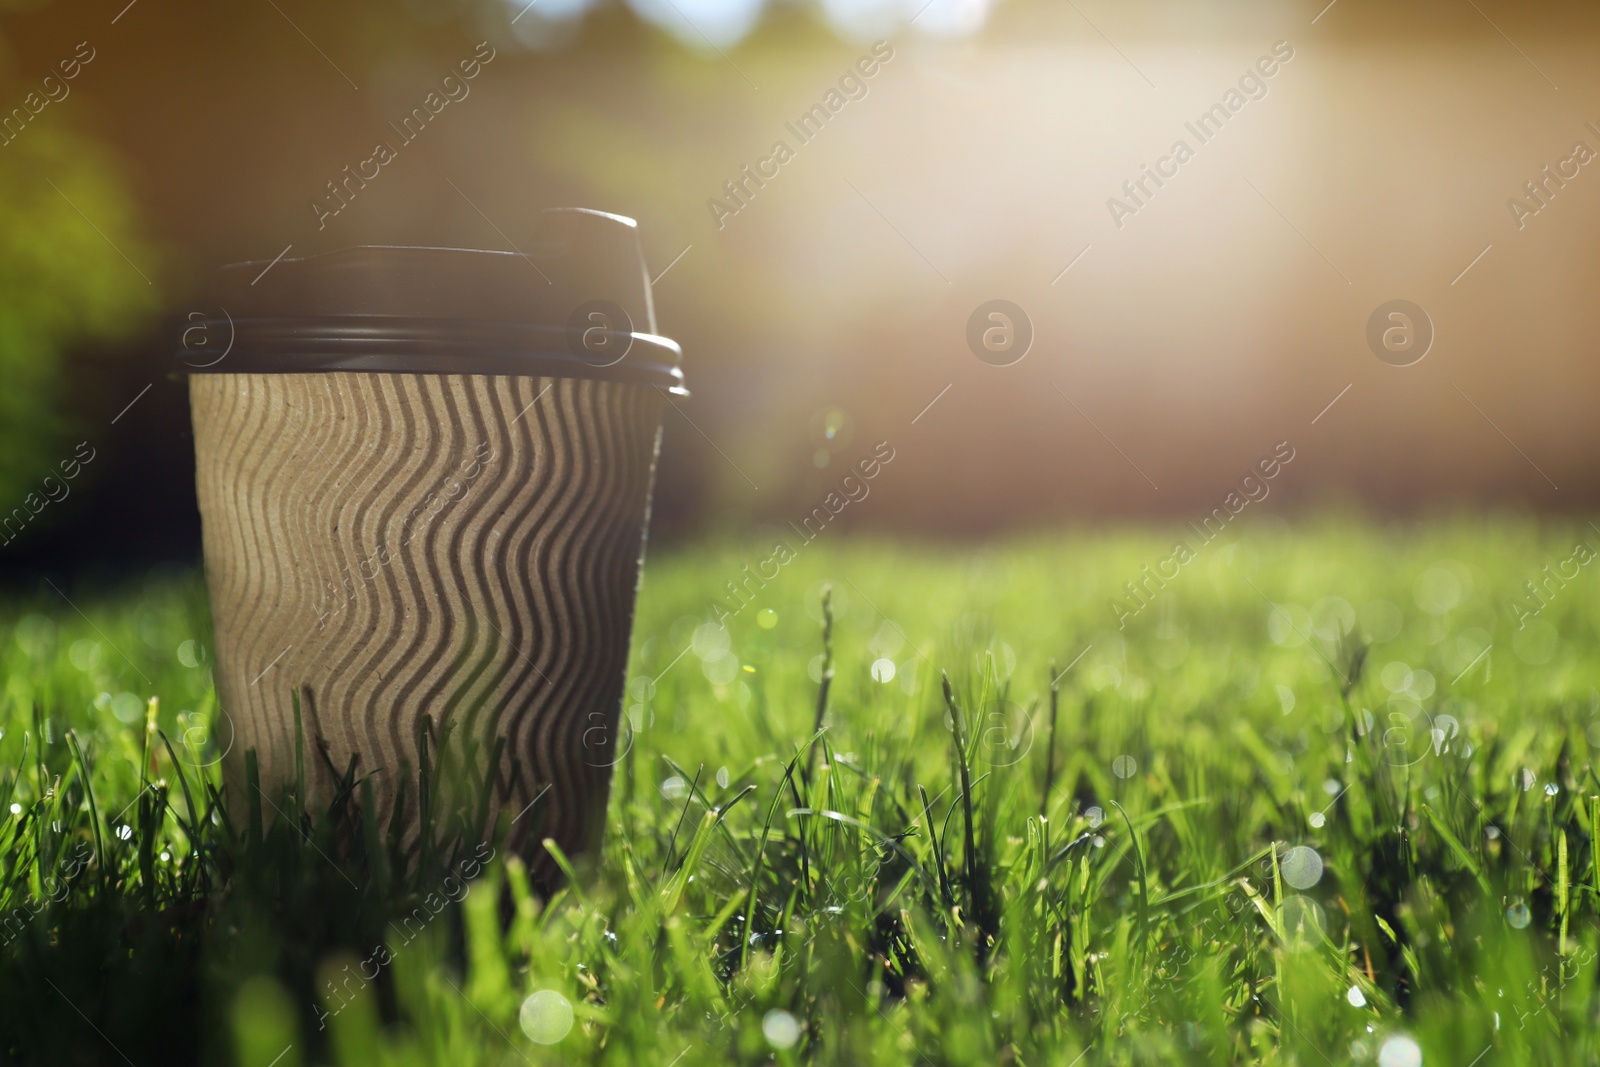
(1323, 801)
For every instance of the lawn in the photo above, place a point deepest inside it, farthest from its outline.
(1327, 798)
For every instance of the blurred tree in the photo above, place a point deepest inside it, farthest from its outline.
(68, 276)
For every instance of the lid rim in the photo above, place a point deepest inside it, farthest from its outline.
(503, 365)
(400, 344)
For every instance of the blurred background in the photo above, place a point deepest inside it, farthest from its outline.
(826, 309)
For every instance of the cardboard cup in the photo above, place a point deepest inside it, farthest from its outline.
(424, 481)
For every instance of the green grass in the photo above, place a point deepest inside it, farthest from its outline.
(1295, 814)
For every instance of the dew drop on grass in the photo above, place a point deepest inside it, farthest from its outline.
(84, 654)
(1491, 832)
(720, 668)
(780, 1029)
(1395, 676)
(1356, 998)
(1332, 617)
(1400, 1051)
(883, 670)
(1095, 816)
(127, 707)
(1288, 624)
(1104, 676)
(887, 640)
(1438, 590)
(125, 832)
(1124, 766)
(1445, 729)
(1302, 921)
(710, 639)
(1301, 867)
(674, 788)
(722, 777)
(546, 1017)
(1551, 790)
(16, 809)
(1317, 820)
(1519, 916)
(35, 635)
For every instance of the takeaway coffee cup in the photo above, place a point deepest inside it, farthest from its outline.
(424, 479)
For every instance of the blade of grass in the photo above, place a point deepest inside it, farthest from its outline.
(94, 809)
(1144, 885)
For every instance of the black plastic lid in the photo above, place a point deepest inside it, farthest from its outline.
(573, 302)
